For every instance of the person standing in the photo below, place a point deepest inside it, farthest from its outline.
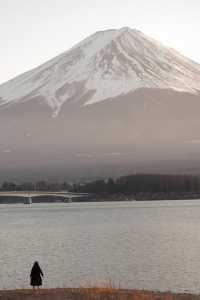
(36, 275)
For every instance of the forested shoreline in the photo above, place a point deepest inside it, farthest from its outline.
(132, 187)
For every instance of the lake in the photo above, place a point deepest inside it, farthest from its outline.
(143, 245)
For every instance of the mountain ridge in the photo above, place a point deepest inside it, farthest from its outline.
(105, 65)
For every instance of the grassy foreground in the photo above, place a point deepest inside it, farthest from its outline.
(91, 294)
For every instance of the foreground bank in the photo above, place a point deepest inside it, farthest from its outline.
(92, 294)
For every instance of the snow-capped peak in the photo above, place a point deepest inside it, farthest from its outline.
(105, 65)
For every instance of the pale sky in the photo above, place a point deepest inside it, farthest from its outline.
(33, 31)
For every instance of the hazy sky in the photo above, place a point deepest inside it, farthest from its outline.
(33, 31)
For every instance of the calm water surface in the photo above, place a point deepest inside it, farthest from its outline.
(145, 245)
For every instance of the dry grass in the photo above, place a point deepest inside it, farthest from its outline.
(92, 294)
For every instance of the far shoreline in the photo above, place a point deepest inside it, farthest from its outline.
(108, 198)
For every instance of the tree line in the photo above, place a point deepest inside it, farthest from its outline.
(132, 184)
(144, 183)
(43, 185)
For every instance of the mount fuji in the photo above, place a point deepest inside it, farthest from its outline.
(117, 102)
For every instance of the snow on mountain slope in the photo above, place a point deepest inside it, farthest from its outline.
(105, 65)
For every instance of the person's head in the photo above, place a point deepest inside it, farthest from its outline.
(36, 264)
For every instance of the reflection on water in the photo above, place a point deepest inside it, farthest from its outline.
(150, 245)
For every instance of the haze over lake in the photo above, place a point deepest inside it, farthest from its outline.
(143, 245)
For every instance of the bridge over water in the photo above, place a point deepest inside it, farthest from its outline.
(29, 195)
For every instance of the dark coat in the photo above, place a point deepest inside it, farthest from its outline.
(36, 275)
